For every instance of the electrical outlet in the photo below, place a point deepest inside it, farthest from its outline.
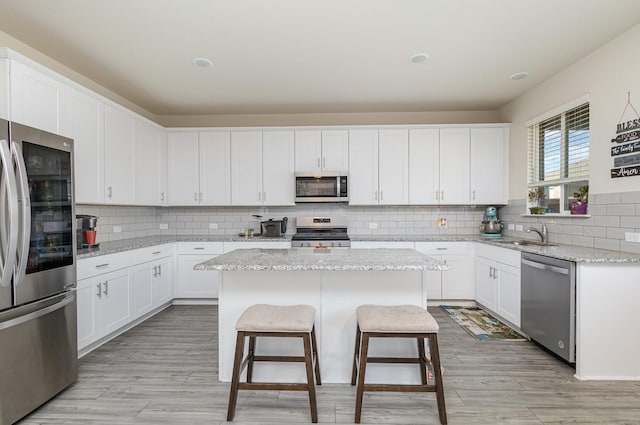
(632, 237)
(213, 226)
(519, 227)
(164, 226)
(373, 225)
(117, 229)
(511, 226)
(443, 223)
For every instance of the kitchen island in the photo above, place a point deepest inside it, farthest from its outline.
(334, 282)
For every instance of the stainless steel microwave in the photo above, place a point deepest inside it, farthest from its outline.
(322, 187)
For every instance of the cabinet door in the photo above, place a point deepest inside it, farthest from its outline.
(116, 299)
(363, 167)
(119, 157)
(89, 295)
(183, 178)
(335, 150)
(246, 168)
(457, 283)
(308, 146)
(143, 277)
(4, 89)
(150, 170)
(508, 303)
(424, 166)
(84, 123)
(215, 168)
(196, 283)
(163, 282)
(454, 166)
(36, 98)
(278, 158)
(393, 167)
(486, 283)
(488, 166)
(432, 283)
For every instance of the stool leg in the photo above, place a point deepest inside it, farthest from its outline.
(250, 356)
(423, 361)
(437, 370)
(354, 371)
(235, 379)
(308, 359)
(363, 367)
(314, 345)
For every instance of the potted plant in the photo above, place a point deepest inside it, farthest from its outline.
(579, 206)
(536, 196)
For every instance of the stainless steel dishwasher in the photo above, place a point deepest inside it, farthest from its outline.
(549, 303)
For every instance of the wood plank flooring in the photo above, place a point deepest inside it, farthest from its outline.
(164, 371)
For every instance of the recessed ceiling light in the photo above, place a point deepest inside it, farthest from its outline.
(202, 62)
(418, 58)
(519, 75)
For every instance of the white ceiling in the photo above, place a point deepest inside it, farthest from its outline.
(313, 56)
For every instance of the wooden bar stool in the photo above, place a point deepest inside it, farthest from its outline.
(264, 321)
(403, 321)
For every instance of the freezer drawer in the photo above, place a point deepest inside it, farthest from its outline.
(38, 348)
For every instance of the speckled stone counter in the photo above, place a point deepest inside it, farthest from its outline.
(308, 259)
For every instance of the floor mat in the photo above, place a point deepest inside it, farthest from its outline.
(481, 325)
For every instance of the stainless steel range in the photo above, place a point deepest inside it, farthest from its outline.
(321, 231)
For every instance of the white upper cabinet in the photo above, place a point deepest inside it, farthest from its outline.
(424, 166)
(36, 98)
(278, 157)
(84, 123)
(363, 167)
(393, 167)
(215, 167)
(151, 173)
(317, 150)
(489, 166)
(378, 167)
(183, 169)
(262, 167)
(4, 88)
(119, 157)
(454, 166)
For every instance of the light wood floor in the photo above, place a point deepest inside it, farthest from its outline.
(165, 372)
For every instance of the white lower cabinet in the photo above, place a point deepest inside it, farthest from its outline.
(455, 283)
(498, 281)
(104, 305)
(152, 280)
(197, 283)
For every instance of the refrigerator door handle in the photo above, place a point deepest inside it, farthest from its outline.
(25, 218)
(9, 208)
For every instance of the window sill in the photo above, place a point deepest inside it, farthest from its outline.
(557, 215)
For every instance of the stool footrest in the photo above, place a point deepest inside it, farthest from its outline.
(272, 386)
(402, 388)
(393, 360)
(278, 359)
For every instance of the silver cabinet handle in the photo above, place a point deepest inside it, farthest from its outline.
(264, 196)
(375, 195)
(381, 195)
(110, 192)
(318, 162)
(195, 196)
(324, 162)
(156, 252)
(442, 195)
(199, 248)
(442, 249)
(102, 266)
(162, 196)
(159, 269)
(437, 195)
(200, 196)
(155, 271)
(106, 288)
(259, 196)
(473, 195)
(99, 286)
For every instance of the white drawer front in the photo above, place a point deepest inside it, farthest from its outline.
(197, 248)
(443, 248)
(95, 266)
(151, 253)
(502, 255)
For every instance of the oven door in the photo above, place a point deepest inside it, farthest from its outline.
(46, 257)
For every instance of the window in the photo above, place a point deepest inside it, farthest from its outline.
(559, 157)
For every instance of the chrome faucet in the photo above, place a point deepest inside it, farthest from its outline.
(544, 234)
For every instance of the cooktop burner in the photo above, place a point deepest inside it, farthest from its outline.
(321, 231)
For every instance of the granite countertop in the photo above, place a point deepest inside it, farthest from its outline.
(309, 259)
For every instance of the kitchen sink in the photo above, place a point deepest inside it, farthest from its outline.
(526, 242)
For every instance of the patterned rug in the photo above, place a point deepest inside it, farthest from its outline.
(481, 325)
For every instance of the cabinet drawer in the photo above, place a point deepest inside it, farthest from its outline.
(501, 255)
(197, 248)
(95, 266)
(382, 244)
(151, 253)
(443, 248)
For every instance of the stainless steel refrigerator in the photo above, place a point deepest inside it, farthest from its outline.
(38, 342)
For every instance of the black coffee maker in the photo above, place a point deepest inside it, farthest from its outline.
(85, 231)
(273, 228)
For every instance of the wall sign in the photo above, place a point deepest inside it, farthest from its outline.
(626, 165)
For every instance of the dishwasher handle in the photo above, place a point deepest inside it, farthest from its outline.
(546, 267)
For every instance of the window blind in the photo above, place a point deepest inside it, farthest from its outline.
(559, 148)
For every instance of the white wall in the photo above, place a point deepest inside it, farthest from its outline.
(607, 74)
